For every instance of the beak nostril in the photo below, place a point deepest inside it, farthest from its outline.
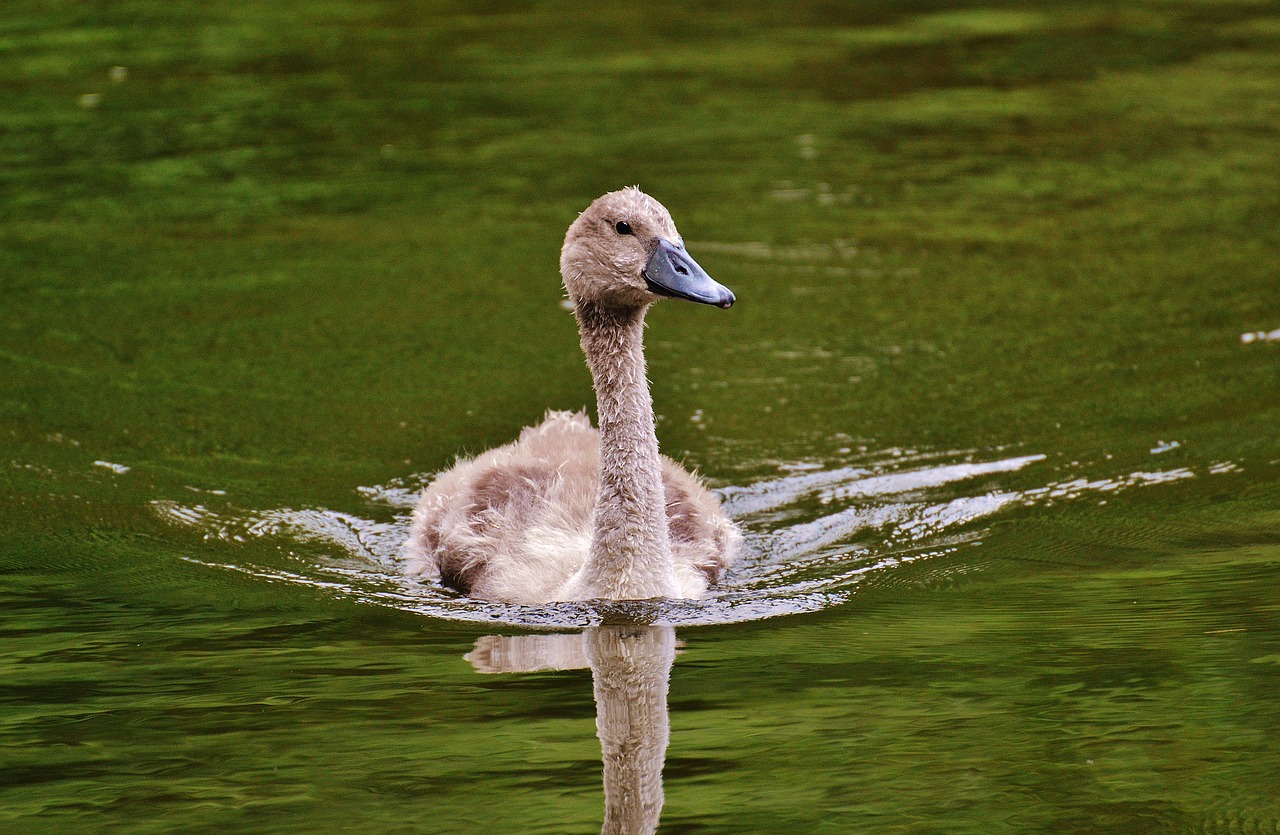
(681, 270)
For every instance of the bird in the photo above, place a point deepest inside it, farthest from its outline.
(568, 512)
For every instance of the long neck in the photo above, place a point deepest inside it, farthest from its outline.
(630, 549)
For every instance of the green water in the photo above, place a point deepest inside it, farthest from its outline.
(984, 408)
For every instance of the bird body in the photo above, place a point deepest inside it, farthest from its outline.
(534, 501)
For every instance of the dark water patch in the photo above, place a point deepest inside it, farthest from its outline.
(1139, 818)
(879, 12)
(1220, 13)
(558, 777)
(19, 776)
(55, 691)
(1221, 536)
(261, 637)
(999, 140)
(696, 705)
(1103, 671)
(1005, 61)
(691, 768)
(677, 823)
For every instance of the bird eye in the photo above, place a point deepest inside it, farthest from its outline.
(623, 228)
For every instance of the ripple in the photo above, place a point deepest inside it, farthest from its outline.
(811, 537)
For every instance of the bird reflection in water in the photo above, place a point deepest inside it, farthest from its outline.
(630, 670)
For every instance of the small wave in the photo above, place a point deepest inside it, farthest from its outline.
(810, 538)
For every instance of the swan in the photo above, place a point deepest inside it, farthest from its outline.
(568, 512)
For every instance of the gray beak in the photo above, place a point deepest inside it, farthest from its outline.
(671, 272)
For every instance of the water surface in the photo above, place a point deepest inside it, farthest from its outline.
(997, 410)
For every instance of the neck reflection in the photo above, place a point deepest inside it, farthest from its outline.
(630, 670)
